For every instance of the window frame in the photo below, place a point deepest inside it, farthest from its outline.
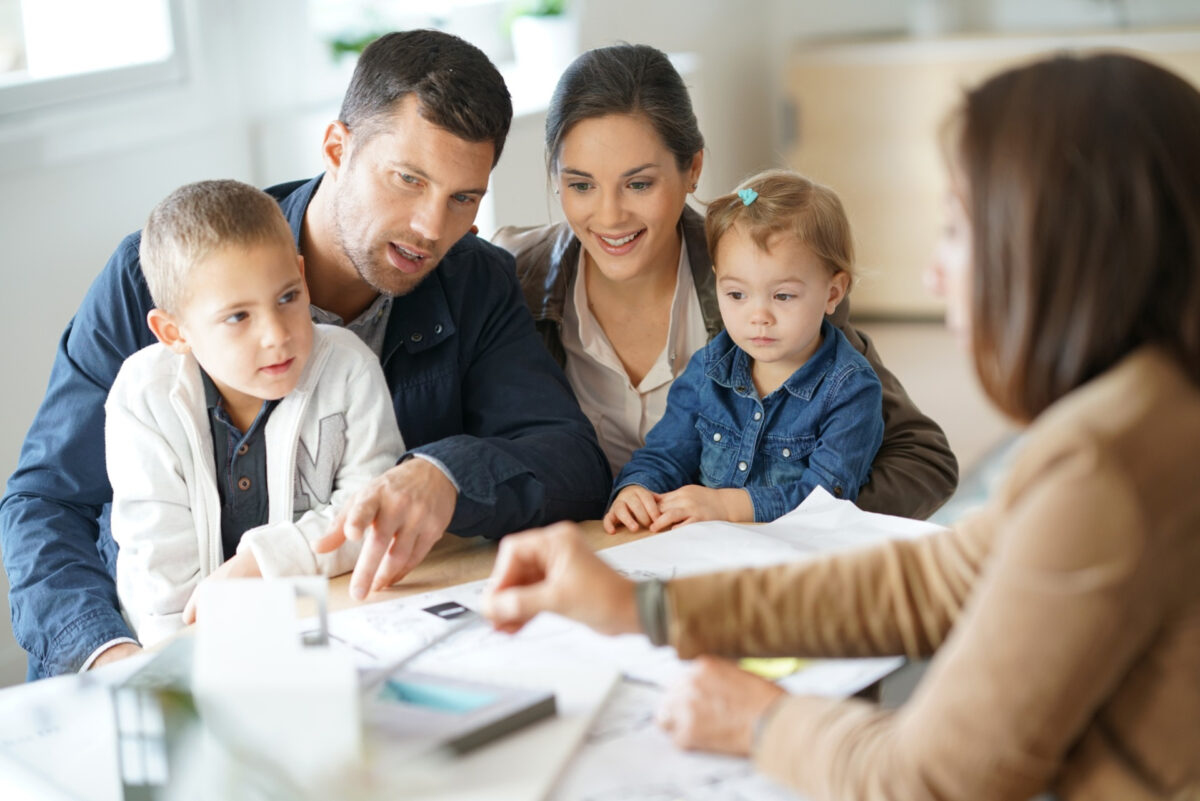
(33, 95)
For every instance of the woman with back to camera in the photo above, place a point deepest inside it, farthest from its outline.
(623, 292)
(1064, 616)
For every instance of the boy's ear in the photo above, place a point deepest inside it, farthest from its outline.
(300, 262)
(839, 285)
(335, 146)
(163, 326)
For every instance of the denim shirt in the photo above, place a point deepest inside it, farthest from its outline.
(822, 427)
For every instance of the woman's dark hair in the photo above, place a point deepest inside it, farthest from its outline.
(624, 79)
(1082, 182)
(459, 89)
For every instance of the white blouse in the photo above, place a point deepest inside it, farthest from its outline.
(622, 413)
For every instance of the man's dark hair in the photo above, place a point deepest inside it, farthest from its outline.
(457, 87)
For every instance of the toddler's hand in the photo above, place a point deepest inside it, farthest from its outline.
(240, 565)
(693, 503)
(634, 507)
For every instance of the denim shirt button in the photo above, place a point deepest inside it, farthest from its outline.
(717, 437)
(837, 491)
(787, 452)
(739, 389)
(742, 466)
(758, 415)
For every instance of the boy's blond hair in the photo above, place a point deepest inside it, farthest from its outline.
(198, 219)
(785, 202)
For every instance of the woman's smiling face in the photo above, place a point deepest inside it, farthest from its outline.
(622, 193)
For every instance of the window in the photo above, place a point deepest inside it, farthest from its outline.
(53, 51)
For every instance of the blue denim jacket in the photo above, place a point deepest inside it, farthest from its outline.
(822, 427)
(471, 384)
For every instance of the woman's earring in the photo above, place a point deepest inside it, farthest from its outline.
(694, 187)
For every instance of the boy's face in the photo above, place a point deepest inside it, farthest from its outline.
(246, 320)
(773, 301)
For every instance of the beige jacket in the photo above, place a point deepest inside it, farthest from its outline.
(1065, 617)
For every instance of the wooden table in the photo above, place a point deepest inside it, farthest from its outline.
(457, 560)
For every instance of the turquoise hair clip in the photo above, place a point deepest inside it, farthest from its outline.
(748, 196)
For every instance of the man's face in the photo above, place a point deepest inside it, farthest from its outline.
(404, 196)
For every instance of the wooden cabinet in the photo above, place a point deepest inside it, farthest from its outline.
(865, 118)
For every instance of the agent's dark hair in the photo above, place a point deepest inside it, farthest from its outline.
(1081, 177)
(458, 88)
(624, 79)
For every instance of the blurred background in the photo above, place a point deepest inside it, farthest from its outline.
(107, 107)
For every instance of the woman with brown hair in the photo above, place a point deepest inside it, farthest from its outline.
(1064, 617)
(623, 292)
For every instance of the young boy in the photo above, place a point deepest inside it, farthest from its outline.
(780, 402)
(231, 442)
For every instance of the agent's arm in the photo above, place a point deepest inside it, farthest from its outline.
(57, 554)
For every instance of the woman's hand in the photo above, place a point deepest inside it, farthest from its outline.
(694, 503)
(634, 507)
(553, 570)
(714, 707)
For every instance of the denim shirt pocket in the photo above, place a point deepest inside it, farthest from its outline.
(718, 451)
(785, 458)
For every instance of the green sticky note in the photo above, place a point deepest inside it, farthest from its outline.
(772, 668)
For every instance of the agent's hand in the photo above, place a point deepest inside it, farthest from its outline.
(553, 570)
(694, 503)
(398, 517)
(633, 508)
(241, 565)
(714, 706)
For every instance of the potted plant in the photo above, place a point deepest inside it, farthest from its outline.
(544, 36)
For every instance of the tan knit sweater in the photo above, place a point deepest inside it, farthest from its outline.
(1065, 617)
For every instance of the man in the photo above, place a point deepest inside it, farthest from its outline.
(497, 441)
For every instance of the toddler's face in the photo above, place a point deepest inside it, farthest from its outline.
(773, 301)
(246, 320)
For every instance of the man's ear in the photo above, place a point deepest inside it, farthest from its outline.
(839, 285)
(335, 146)
(163, 326)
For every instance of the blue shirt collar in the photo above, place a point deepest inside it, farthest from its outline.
(729, 366)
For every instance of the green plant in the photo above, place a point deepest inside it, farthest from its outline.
(538, 8)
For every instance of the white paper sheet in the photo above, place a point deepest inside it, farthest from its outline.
(625, 755)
